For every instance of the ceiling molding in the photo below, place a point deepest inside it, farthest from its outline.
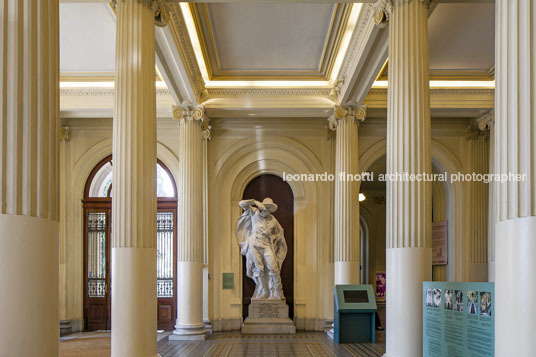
(365, 56)
(172, 68)
(256, 92)
(186, 52)
(99, 92)
(442, 98)
(449, 74)
(203, 25)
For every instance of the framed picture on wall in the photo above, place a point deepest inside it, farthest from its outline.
(380, 286)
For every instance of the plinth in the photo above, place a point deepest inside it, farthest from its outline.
(268, 316)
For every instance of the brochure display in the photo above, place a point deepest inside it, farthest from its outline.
(354, 320)
(458, 319)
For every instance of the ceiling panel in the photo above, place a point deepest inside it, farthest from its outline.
(462, 37)
(87, 38)
(267, 40)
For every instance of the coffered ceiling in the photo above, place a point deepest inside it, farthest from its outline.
(262, 41)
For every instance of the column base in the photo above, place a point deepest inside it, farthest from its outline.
(189, 333)
(208, 325)
(407, 268)
(29, 310)
(66, 328)
(515, 287)
(134, 302)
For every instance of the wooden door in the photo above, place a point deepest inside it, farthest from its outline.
(97, 266)
(166, 265)
(97, 263)
(280, 192)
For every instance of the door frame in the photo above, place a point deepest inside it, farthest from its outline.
(104, 204)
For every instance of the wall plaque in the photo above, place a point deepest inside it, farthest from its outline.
(227, 281)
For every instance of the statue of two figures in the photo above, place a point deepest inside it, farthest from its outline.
(262, 242)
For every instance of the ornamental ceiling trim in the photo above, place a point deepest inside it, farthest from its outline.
(180, 35)
(266, 92)
(339, 22)
(100, 92)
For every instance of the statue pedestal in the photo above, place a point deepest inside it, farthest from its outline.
(268, 316)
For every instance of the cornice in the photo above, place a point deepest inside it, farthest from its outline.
(266, 92)
(444, 91)
(99, 92)
(357, 42)
(180, 35)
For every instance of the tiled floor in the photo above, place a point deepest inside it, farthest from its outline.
(231, 344)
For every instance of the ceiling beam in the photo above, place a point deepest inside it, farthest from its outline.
(171, 67)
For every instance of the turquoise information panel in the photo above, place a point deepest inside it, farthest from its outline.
(458, 319)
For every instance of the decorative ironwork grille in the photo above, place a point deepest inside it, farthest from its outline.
(96, 254)
(164, 253)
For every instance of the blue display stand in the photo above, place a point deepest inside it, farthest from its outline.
(355, 308)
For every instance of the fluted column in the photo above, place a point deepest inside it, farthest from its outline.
(478, 160)
(409, 215)
(192, 123)
(491, 202)
(134, 318)
(347, 246)
(515, 153)
(29, 176)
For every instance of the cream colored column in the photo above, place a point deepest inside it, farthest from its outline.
(491, 201)
(206, 134)
(515, 153)
(347, 246)
(409, 214)
(190, 326)
(134, 184)
(478, 163)
(29, 176)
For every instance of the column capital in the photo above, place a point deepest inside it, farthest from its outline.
(65, 133)
(194, 114)
(355, 114)
(486, 121)
(383, 8)
(480, 127)
(159, 7)
(188, 113)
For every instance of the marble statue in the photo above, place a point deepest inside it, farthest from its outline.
(262, 242)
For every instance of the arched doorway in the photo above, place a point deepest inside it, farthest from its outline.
(97, 231)
(274, 187)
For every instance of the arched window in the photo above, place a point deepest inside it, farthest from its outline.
(97, 230)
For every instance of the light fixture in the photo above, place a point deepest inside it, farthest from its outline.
(361, 197)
